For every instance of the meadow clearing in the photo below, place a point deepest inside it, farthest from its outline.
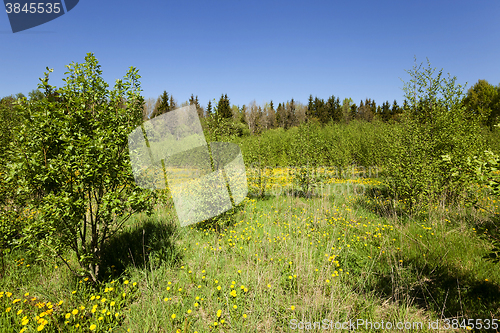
(279, 262)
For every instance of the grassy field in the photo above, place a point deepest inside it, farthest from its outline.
(276, 263)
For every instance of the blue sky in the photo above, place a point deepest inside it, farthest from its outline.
(262, 50)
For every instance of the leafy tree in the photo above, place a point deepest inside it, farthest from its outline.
(483, 101)
(73, 157)
(346, 109)
(435, 124)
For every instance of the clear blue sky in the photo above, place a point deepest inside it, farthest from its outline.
(262, 50)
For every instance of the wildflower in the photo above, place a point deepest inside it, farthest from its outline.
(235, 306)
(189, 311)
(8, 309)
(125, 282)
(39, 328)
(134, 284)
(219, 313)
(196, 304)
(173, 316)
(233, 293)
(74, 312)
(244, 315)
(19, 312)
(112, 303)
(25, 321)
(292, 307)
(92, 327)
(67, 315)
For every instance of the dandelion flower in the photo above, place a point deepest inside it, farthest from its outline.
(92, 327)
(173, 316)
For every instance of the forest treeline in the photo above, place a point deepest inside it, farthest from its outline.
(482, 100)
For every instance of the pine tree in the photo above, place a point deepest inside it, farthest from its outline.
(173, 105)
(353, 111)
(310, 109)
(223, 108)
(209, 109)
(271, 116)
(162, 106)
(333, 108)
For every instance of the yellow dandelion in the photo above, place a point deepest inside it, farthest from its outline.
(74, 312)
(173, 316)
(93, 327)
(125, 282)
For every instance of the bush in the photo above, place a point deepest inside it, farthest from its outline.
(72, 160)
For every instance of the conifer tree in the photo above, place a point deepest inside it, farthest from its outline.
(223, 108)
(209, 109)
(310, 109)
(162, 106)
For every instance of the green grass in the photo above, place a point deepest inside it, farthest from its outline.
(268, 265)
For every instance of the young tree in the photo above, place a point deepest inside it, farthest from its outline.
(173, 104)
(209, 109)
(435, 124)
(73, 157)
